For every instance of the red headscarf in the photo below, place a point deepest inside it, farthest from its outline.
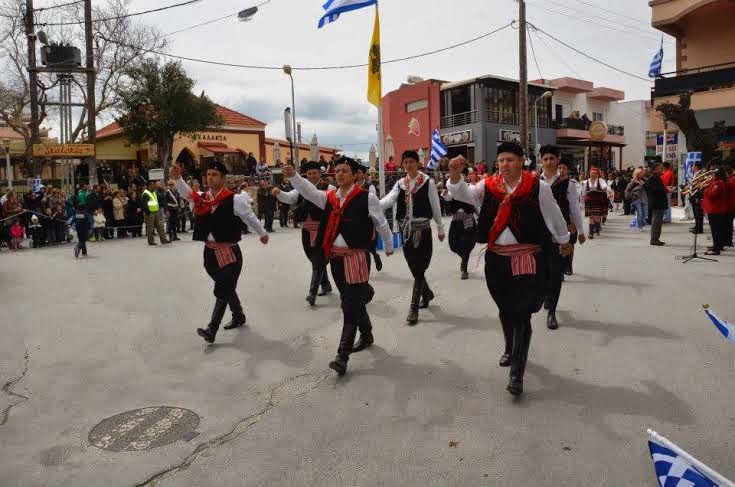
(335, 217)
(203, 206)
(496, 185)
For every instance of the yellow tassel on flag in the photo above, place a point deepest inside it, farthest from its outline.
(375, 87)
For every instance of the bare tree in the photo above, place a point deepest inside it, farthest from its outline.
(119, 43)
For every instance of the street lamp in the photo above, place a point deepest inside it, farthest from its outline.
(8, 176)
(287, 70)
(247, 14)
(547, 94)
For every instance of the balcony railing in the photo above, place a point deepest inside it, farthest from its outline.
(704, 78)
(584, 124)
(494, 116)
(464, 118)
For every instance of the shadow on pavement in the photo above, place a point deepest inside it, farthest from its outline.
(611, 331)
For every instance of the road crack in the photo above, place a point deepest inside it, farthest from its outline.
(8, 389)
(241, 426)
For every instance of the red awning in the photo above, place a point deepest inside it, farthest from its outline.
(217, 147)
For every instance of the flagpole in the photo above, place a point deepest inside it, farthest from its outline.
(381, 150)
(701, 466)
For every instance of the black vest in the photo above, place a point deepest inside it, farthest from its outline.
(526, 221)
(421, 203)
(356, 226)
(454, 206)
(223, 224)
(305, 209)
(559, 189)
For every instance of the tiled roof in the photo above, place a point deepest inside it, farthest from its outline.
(230, 118)
(9, 133)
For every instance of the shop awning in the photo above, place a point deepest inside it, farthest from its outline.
(217, 147)
(587, 143)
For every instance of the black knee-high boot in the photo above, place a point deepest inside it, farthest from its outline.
(377, 259)
(209, 333)
(326, 285)
(238, 314)
(463, 267)
(346, 345)
(413, 313)
(521, 343)
(366, 333)
(508, 337)
(427, 295)
(316, 279)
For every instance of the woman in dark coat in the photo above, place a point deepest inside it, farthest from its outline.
(107, 209)
(135, 214)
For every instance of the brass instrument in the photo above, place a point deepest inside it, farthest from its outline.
(700, 182)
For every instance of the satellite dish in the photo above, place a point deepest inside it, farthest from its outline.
(246, 15)
(42, 37)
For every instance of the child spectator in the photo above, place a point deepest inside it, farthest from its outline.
(99, 225)
(82, 225)
(16, 235)
(37, 233)
(49, 226)
(60, 223)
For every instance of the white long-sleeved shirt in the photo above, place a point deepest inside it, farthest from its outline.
(603, 185)
(550, 211)
(319, 198)
(389, 199)
(242, 207)
(292, 197)
(575, 212)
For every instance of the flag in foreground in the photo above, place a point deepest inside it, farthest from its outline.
(727, 329)
(655, 68)
(438, 150)
(676, 468)
(375, 86)
(334, 8)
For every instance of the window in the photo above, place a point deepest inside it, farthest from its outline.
(597, 117)
(559, 112)
(415, 106)
(501, 103)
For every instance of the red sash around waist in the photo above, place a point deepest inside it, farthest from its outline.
(355, 263)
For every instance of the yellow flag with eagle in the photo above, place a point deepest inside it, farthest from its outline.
(375, 87)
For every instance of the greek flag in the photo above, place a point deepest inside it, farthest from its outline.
(727, 329)
(438, 150)
(676, 468)
(334, 8)
(655, 68)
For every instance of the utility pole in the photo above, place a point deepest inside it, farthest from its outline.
(91, 80)
(32, 79)
(523, 81)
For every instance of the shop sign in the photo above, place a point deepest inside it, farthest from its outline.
(63, 150)
(506, 135)
(671, 151)
(210, 137)
(598, 130)
(414, 127)
(671, 138)
(455, 138)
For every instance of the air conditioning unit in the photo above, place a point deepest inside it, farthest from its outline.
(414, 79)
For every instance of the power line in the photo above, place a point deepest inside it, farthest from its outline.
(533, 51)
(590, 57)
(61, 5)
(604, 19)
(556, 56)
(306, 68)
(614, 12)
(125, 16)
(218, 19)
(567, 16)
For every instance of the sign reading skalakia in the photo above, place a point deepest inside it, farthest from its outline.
(63, 150)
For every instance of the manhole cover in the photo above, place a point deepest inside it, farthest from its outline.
(144, 429)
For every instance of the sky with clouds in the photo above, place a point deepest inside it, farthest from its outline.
(333, 105)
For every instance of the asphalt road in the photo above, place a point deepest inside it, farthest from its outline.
(85, 340)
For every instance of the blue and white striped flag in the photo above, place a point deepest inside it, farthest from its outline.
(334, 8)
(676, 468)
(727, 329)
(438, 150)
(655, 68)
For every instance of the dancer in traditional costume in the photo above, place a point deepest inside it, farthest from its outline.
(418, 203)
(218, 213)
(463, 229)
(351, 216)
(519, 217)
(364, 181)
(566, 196)
(595, 195)
(309, 215)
